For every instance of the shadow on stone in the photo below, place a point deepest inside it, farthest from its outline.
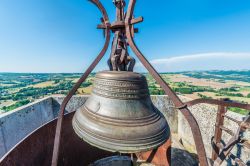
(183, 157)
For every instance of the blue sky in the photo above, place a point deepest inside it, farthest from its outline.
(176, 35)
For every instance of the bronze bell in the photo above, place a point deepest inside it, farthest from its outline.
(119, 116)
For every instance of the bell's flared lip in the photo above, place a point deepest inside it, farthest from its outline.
(121, 146)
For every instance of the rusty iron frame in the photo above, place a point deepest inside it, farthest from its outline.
(218, 131)
(176, 100)
(224, 102)
(220, 151)
(127, 27)
(79, 82)
(129, 30)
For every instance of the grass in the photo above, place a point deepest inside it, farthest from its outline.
(176, 81)
(238, 110)
(213, 95)
(7, 103)
(44, 84)
(2, 84)
(16, 105)
(86, 90)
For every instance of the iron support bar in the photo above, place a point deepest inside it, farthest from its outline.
(246, 143)
(237, 138)
(227, 149)
(232, 119)
(230, 132)
(237, 160)
(120, 24)
(218, 131)
(225, 103)
(78, 84)
(178, 103)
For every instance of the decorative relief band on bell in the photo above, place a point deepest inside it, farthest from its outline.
(120, 89)
(121, 84)
(117, 95)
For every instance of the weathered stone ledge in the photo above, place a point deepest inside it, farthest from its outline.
(17, 124)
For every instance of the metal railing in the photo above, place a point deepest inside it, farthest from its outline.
(222, 151)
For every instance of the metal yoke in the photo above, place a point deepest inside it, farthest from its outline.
(119, 58)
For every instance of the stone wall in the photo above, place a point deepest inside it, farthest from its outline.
(17, 124)
(206, 116)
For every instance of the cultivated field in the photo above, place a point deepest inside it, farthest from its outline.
(17, 89)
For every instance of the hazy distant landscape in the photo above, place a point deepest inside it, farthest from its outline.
(18, 89)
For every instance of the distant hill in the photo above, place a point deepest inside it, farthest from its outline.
(220, 75)
(17, 89)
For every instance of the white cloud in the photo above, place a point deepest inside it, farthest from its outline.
(204, 61)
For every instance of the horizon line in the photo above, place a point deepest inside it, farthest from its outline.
(241, 70)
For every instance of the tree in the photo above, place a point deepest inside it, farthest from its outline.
(184, 90)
